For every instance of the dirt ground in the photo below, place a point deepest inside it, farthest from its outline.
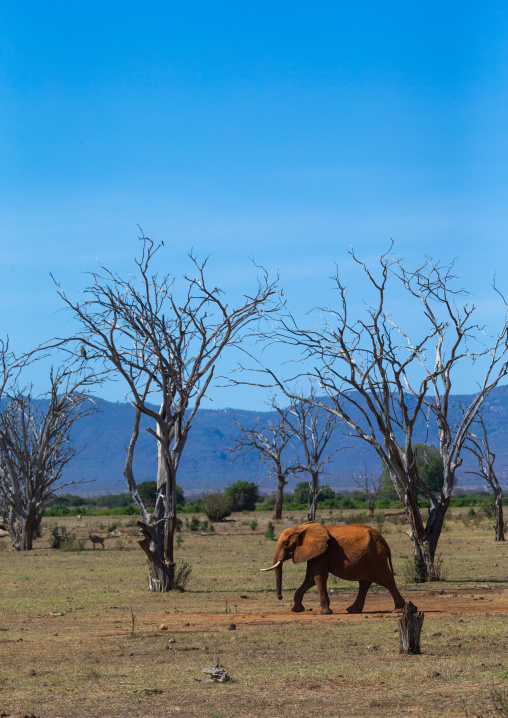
(81, 636)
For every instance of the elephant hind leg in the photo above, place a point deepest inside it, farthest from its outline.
(389, 584)
(357, 606)
(308, 582)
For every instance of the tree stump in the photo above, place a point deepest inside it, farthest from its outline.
(410, 628)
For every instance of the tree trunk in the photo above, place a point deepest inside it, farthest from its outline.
(281, 482)
(161, 570)
(425, 538)
(25, 531)
(159, 531)
(313, 494)
(498, 503)
(158, 542)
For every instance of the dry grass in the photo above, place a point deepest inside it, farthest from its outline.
(88, 662)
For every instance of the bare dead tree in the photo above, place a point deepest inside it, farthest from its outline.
(269, 443)
(305, 420)
(165, 350)
(35, 447)
(370, 485)
(478, 444)
(380, 381)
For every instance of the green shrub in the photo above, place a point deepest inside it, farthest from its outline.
(270, 531)
(489, 509)
(243, 495)
(58, 536)
(253, 524)
(194, 524)
(112, 527)
(216, 505)
(72, 543)
(191, 509)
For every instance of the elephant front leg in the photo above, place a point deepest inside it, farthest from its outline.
(324, 599)
(357, 606)
(300, 592)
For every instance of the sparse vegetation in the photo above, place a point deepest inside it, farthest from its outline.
(270, 531)
(276, 653)
(216, 505)
(182, 575)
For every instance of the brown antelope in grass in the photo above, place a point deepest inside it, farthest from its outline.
(95, 539)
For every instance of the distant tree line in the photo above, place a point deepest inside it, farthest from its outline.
(245, 496)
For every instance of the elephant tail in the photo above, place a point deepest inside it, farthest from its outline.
(390, 560)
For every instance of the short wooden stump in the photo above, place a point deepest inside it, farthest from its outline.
(410, 628)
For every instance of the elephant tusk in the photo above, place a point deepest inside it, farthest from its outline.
(272, 567)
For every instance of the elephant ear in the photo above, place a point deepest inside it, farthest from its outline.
(312, 542)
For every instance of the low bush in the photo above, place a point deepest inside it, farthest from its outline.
(216, 505)
(182, 574)
(358, 518)
(270, 531)
(411, 573)
(193, 524)
(58, 536)
(499, 698)
(72, 543)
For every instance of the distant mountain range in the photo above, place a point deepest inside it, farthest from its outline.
(205, 464)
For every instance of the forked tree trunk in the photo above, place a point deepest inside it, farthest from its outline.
(161, 572)
(424, 538)
(498, 504)
(158, 533)
(157, 543)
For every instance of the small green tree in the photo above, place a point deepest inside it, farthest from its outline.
(243, 495)
(326, 493)
(430, 468)
(301, 492)
(216, 505)
(148, 493)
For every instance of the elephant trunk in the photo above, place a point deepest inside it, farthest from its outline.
(278, 580)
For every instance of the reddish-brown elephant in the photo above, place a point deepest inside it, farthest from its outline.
(354, 553)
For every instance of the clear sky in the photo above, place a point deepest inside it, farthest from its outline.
(285, 131)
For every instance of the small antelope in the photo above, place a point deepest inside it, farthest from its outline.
(96, 539)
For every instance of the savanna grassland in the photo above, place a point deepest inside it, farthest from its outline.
(80, 634)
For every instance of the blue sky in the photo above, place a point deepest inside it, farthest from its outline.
(282, 131)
